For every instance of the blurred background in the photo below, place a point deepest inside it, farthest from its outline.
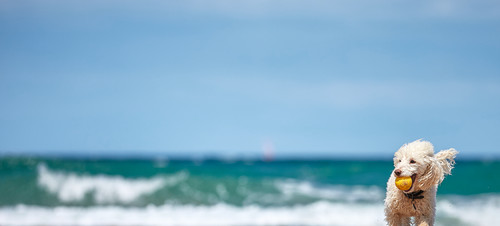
(242, 112)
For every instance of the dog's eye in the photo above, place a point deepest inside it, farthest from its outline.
(399, 160)
(412, 161)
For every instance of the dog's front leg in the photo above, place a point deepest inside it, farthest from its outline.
(405, 221)
(397, 220)
(424, 221)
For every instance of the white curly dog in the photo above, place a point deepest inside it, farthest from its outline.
(427, 171)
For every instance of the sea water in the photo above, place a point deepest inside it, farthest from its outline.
(38, 191)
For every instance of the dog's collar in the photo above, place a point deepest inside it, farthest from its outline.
(414, 195)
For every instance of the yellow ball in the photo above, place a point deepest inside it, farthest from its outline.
(403, 183)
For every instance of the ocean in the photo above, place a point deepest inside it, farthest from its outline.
(72, 191)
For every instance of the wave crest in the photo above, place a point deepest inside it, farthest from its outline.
(319, 213)
(70, 187)
(475, 211)
(291, 188)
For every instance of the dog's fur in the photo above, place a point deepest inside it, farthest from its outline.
(429, 170)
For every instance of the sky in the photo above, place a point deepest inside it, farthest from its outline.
(330, 78)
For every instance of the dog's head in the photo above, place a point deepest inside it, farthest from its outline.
(417, 160)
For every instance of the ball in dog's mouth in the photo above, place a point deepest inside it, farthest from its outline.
(405, 183)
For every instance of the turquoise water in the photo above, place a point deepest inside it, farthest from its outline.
(275, 190)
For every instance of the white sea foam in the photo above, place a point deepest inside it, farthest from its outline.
(291, 188)
(319, 213)
(481, 210)
(105, 189)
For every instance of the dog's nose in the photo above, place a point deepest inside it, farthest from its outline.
(397, 172)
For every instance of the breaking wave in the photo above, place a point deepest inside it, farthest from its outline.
(293, 188)
(319, 213)
(478, 212)
(70, 187)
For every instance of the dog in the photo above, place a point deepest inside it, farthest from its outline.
(417, 161)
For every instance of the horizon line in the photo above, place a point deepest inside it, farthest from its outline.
(217, 155)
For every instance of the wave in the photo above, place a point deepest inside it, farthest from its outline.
(472, 212)
(320, 213)
(476, 210)
(70, 187)
(358, 193)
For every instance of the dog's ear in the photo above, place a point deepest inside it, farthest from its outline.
(446, 159)
(433, 174)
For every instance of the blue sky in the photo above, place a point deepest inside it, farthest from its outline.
(229, 77)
